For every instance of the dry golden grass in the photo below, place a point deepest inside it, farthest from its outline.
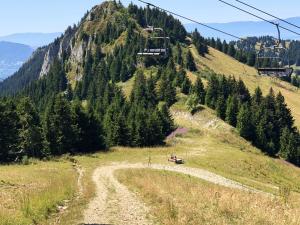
(216, 146)
(179, 200)
(30, 194)
(223, 64)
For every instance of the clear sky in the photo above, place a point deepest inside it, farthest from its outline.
(18, 16)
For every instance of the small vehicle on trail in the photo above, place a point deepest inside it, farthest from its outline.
(176, 160)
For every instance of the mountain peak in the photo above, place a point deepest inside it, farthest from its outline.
(103, 10)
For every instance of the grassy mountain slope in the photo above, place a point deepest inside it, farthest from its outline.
(223, 64)
(209, 143)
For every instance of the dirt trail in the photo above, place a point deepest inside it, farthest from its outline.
(115, 204)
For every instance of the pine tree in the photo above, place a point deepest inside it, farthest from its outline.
(232, 110)
(69, 92)
(221, 107)
(186, 86)
(179, 59)
(90, 135)
(244, 122)
(9, 124)
(294, 149)
(181, 75)
(289, 146)
(224, 47)
(284, 143)
(59, 126)
(115, 127)
(30, 132)
(219, 45)
(138, 126)
(251, 59)
(151, 92)
(166, 90)
(257, 98)
(199, 90)
(192, 103)
(124, 74)
(190, 64)
(212, 94)
(115, 69)
(243, 92)
(167, 120)
(213, 43)
(260, 132)
(283, 113)
(139, 90)
(155, 129)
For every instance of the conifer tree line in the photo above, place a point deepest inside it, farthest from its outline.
(70, 127)
(267, 122)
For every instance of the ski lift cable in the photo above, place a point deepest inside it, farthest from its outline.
(259, 17)
(192, 20)
(269, 14)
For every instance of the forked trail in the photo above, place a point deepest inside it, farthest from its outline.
(115, 204)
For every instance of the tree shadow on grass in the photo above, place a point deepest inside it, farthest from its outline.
(197, 109)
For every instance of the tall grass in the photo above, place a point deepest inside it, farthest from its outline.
(180, 200)
(35, 191)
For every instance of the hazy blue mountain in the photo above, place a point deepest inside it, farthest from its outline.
(246, 29)
(32, 39)
(12, 57)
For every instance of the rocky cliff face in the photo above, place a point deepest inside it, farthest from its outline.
(58, 49)
(77, 41)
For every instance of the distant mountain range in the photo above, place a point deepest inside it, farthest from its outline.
(16, 49)
(246, 29)
(12, 56)
(34, 40)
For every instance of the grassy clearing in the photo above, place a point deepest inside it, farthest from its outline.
(178, 199)
(216, 146)
(30, 194)
(223, 64)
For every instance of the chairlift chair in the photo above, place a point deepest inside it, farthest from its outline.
(275, 56)
(157, 35)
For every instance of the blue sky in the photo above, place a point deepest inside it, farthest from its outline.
(18, 16)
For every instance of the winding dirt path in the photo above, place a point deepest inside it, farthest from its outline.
(115, 204)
